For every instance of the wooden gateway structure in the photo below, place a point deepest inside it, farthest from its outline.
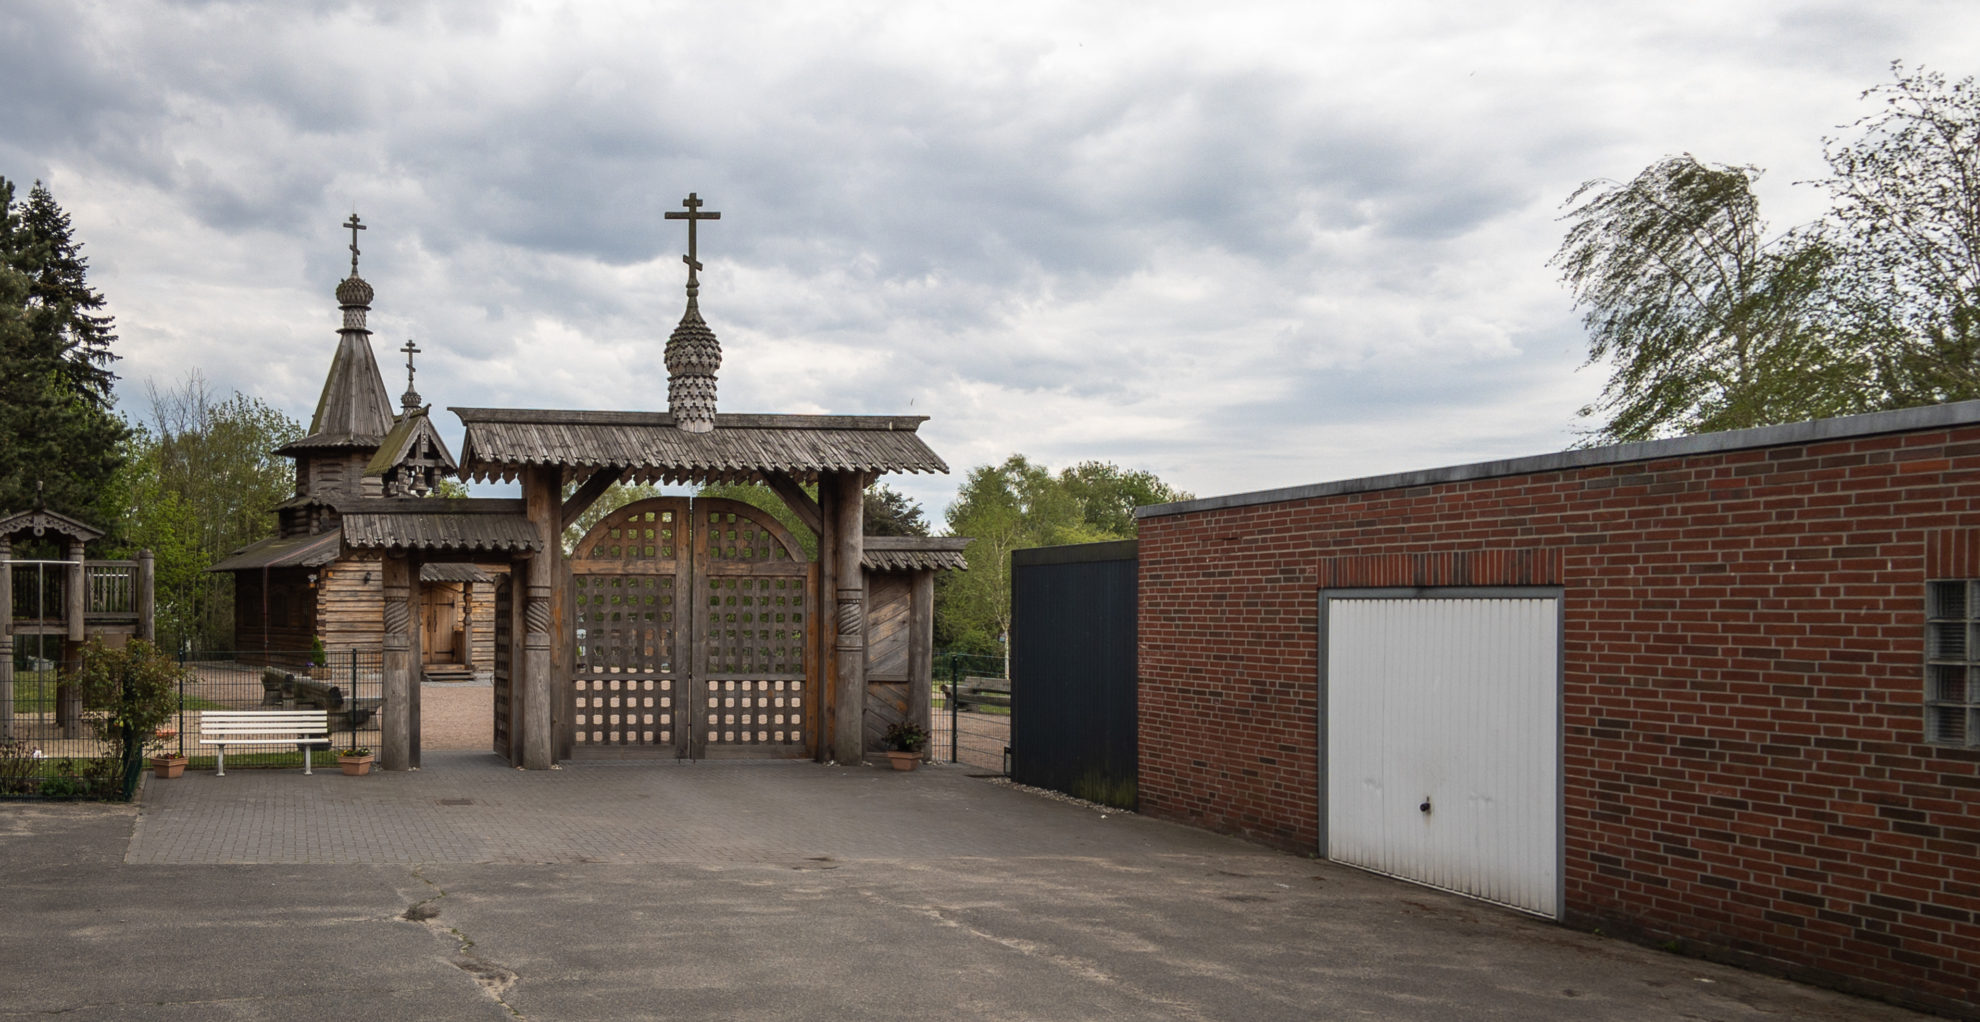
(677, 627)
(51, 605)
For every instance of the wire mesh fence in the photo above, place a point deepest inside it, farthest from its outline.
(972, 711)
(349, 686)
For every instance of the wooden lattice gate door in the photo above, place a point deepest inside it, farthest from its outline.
(692, 623)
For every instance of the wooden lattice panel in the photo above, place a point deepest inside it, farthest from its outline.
(636, 532)
(627, 622)
(625, 711)
(730, 536)
(754, 625)
(753, 712)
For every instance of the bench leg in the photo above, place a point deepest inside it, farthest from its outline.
(307, 750)
(222, 772)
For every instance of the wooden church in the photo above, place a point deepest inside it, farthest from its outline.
(678, 627)
(303, 584)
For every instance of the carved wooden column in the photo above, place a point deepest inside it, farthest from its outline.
(147, 605)
(542, 493)
(6, 638)
(849, 616)
(396, 725)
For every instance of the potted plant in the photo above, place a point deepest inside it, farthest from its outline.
(904, 742)
(355, 762)
(167, 765)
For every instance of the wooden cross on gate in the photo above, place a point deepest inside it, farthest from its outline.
(355, 227)
(693, 213)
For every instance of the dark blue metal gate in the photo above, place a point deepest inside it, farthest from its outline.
(1073, 670)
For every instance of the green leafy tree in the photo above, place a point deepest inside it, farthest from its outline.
(1012, 506)
(616, 496)
(1708, 324)
(1108, 495)
(203, 481)
(58, 440)
(1906, 227)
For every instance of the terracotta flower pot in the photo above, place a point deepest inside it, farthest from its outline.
(355, 766)
(168, 766)
(904, 760)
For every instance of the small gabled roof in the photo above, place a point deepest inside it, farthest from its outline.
(646, 446)
(914, 553)
(399, 444)
(42, 521)
(464, 525)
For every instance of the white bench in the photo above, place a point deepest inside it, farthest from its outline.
(264, 727)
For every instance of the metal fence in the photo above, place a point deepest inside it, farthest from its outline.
(50, 747)
(972, 711)
(349, 686)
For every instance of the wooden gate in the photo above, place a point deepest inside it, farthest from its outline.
(693, 622)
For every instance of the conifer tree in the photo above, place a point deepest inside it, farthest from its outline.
(59, 443)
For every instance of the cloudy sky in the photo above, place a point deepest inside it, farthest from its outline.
(1243, 245)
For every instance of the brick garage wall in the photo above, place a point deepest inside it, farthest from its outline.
(1743, 762)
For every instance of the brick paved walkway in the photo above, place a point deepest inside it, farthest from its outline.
(472, 807)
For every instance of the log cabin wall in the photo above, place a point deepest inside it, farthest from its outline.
(481, 637)
(350, 603)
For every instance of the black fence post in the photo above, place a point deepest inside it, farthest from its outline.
(181, 720)
(955, 690)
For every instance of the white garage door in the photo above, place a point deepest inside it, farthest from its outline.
(1442, 734)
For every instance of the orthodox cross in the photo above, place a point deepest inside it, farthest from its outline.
(411, 398)
(355, 227)
(693, 204)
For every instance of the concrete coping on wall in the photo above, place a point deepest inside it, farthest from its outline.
(1904, 420)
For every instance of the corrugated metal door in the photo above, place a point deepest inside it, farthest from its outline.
(1442, 743)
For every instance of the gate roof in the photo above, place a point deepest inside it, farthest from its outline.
(645, 446)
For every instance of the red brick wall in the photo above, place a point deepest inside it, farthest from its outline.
(1743, 649)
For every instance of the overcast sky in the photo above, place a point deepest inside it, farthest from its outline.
(1242, 245)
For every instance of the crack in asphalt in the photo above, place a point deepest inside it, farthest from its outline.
(494, 980)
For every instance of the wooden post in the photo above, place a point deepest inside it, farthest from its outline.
(415, 657)
(541, 486)
(68, 698)
(6, 638)
(849, 596)
(921, 651)
(78, 591)
(396, 725)
(147, 581)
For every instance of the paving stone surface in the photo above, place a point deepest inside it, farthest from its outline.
(472, 807)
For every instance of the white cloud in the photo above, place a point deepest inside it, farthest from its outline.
(1245, 245)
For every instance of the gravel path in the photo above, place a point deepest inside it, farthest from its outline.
(456, 716)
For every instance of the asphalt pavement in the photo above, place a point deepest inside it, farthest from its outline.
(468, 890)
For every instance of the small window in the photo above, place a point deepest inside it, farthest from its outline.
(1952, 663)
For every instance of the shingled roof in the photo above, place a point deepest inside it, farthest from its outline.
(914, 553)
(438, 524)
(645, 446)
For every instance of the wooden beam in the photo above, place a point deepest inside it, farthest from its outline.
(797, 500)
(587, 494)
(921, 653)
